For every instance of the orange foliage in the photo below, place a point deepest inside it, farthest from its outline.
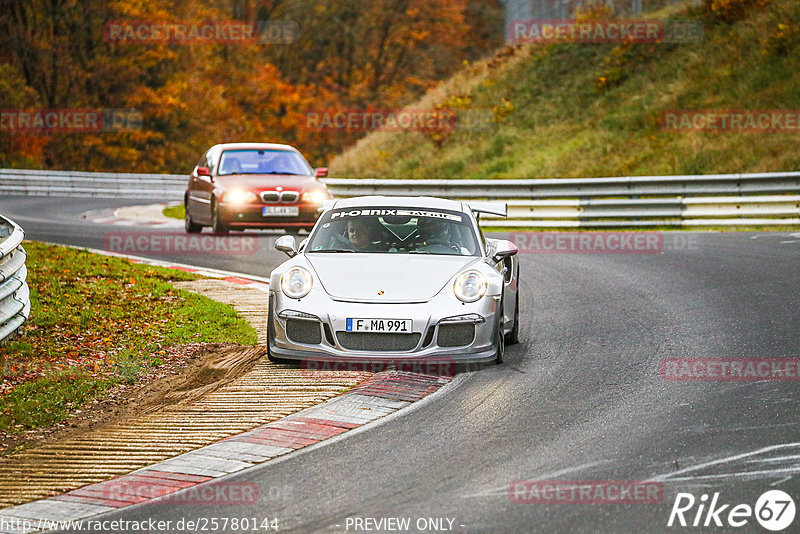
(57, 54)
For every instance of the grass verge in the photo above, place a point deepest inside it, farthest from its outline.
(98, 321)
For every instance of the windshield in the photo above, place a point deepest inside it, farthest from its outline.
(253, 161)
(395, 231)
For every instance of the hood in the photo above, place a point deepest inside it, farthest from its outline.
(401, 277)
(261, 182)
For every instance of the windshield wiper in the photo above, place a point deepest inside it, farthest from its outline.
(420, 252)
(281, 172)
(333, 250)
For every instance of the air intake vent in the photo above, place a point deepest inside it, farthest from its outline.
(300, 331)
(378, 342)
(455, 335)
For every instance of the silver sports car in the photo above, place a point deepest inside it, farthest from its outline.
(395, 278)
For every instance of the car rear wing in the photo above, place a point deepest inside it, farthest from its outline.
(485, 206)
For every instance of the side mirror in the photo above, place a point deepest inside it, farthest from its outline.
(321, 172)
(285, 243)
(501, 249)
(203, 171)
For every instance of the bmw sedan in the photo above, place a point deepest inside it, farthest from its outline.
(395, 278)
(253, 185)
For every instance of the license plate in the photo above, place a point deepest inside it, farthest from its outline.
(379, 325)
(280, 211)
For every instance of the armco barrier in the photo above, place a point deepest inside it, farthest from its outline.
(15, 304)
(702, 200)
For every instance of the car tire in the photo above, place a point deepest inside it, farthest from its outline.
(217, 226)
(500, 339)
(190, 226)
(512, 338)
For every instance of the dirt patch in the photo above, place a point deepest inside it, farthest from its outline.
(197, 370)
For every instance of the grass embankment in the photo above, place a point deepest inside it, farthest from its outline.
(589, 110)
(95, 322)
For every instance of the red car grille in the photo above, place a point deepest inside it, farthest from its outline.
(280, 196)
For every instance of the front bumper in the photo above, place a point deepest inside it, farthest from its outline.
(444, 329)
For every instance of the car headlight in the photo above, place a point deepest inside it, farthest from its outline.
(314, 197)
(469, 286)
(239, 197)
(296, 282)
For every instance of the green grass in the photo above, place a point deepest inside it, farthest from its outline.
(175, 212)
(591, 110)
(97, 321)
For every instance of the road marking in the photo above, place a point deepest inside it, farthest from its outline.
(674, 476)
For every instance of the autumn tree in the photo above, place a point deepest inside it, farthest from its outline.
(56, 54)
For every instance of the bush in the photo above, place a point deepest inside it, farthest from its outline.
(732, 10)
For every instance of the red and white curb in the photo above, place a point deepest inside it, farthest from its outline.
(376, 397)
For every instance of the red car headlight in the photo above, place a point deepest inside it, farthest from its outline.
(239, 197)
(314, 197)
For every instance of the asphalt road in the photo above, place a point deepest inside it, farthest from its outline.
(580, 399)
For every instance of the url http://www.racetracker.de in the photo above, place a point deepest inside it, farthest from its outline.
(199, 524)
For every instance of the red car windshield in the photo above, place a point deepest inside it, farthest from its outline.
(261, 161)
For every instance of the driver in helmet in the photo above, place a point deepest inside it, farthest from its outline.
(433, 231)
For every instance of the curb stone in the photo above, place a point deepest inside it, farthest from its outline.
(376, 397)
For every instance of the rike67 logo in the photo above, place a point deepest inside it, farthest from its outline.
(774, 510)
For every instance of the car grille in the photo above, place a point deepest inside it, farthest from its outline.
(378, 342)
(280, 196)
(455, 335)
(301, 331)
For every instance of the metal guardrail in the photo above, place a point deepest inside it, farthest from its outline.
(701, 200)
(15, 304)
(93, 184)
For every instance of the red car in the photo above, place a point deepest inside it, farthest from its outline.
(253, 185)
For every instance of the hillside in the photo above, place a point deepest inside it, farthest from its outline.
(570, 110)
